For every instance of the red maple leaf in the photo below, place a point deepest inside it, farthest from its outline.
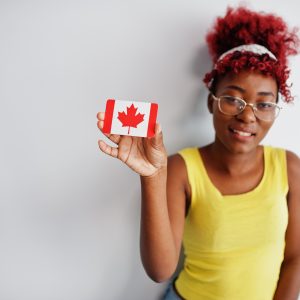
(130, 119)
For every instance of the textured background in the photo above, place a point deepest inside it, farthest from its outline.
(69, 215)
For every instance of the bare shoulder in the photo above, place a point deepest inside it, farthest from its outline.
(293, 167)
(292, 157)
(176, 162)
(177, 173)
(292, 248)
(293, 170)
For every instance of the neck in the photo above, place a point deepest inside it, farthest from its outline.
(233, 163)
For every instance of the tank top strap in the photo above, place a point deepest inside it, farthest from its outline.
(193, 161)
(196, 172)
(276, 163)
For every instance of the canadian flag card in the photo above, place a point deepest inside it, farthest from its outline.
(130, 118)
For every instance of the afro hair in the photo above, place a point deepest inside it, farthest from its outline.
(242, 26)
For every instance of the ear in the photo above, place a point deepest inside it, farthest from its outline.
(210, 102)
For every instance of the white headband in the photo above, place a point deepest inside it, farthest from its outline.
(254, 48)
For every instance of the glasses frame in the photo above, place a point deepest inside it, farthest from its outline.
(252, 105)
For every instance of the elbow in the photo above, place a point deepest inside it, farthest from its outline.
(160, 276)
(158, 269)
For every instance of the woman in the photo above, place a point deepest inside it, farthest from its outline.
(234, 203)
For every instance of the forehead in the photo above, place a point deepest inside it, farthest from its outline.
(250, 81)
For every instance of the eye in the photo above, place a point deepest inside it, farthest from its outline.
(232, 100)
(265, 106)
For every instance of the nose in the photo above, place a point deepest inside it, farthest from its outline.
(247, 115)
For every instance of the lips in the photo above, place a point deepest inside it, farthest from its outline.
(242, 132)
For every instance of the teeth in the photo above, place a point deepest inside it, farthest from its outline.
(242, 133)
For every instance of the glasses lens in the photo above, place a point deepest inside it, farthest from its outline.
(266, 111)
(231, 105)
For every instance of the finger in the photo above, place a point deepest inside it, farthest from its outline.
(115, 138)
(157, 139)
(101, 115)
(112, 151)
(158, 129)
(100, 124)
(126, 148)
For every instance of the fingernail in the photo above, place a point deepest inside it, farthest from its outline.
(159, 128)
(101, 144)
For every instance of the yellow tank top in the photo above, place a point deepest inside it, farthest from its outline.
(234, 244)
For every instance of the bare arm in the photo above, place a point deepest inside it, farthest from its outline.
(162, 219)
(163, 187)
(289, 280)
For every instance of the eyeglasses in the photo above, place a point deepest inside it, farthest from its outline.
(232, 106)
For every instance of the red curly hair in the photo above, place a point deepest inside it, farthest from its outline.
(241, 26)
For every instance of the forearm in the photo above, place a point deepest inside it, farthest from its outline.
(158, 251)
(289, 281)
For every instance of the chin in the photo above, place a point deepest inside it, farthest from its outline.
(239, 147)
(242, 150)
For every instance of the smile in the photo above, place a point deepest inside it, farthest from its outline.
(242, 133)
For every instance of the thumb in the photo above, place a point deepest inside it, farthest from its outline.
(157, 139)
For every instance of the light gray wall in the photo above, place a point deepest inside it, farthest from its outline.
(69, 216)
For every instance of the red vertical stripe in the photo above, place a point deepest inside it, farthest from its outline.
(109, 111)
(152, 119)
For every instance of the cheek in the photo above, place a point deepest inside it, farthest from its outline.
(265, 127)
(218, 116)
(220, 121)
(215, 108)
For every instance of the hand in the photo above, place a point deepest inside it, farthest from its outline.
(145, 156)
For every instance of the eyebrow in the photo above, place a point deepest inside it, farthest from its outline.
(238, 88)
